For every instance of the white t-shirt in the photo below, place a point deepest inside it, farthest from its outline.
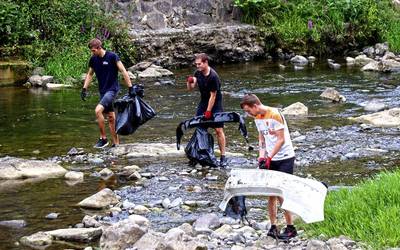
(273, 120)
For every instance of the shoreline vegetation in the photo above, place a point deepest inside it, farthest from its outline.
(323, 27)
(369, 212)
(54, 34)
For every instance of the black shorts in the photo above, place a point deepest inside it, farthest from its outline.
(107, 100)
(285, 165)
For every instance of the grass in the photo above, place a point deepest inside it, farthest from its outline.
(369, 213)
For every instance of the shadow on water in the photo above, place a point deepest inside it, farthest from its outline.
(41, 124)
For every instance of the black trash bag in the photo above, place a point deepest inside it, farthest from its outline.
(200, 148)
(139, 90)
(199, 121)
(131, 113)
(236, 208)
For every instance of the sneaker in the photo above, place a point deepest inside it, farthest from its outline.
(223, 163)
(288, 233)
(101, 143)
(273, 232)
(114, 145)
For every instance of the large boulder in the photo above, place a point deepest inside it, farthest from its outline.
(102, 199)
(296, 109)
(299, 60)
(363, 60)
(16, 168)
(386, 66)
(125, 233)
(387, 118)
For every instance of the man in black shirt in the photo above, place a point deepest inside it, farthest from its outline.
(106, 65)
(209, 86)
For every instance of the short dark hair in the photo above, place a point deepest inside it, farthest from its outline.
(250, 100)
(202, 56)
(95, 43)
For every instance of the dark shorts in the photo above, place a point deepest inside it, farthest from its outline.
(107, 100)
(200, 111)
(285, 165)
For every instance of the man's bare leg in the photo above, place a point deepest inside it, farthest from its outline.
(100, 120)
(111, 124)
(221, 139)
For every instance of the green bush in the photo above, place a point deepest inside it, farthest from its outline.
(55, 33)
(369, 213)
(323, 26)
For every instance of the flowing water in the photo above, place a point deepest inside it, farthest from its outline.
(35, 123)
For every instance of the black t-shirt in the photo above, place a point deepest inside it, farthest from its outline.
(207, 84)
(106, 71)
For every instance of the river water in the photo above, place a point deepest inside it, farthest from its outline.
(35, 123)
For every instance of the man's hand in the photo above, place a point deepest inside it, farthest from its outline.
(131, 91)
(264, 163)
(190, 79)
(83, 94)
(208, 115)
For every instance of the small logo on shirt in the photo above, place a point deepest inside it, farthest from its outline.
(105, 63)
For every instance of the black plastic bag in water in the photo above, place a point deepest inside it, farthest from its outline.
(201, 148)
(131, 113)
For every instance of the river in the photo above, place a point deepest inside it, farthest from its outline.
(35, 123)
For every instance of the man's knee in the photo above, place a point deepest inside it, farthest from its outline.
(111, 117)
(99, 110)
(219, 132)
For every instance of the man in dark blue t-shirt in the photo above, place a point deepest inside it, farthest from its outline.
(106, 65)
(209, 86)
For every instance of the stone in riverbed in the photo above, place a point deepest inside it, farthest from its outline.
(13, 223)
(37, 240)
(16, 168)
(102, 199)
(76, 234)
(74, 175)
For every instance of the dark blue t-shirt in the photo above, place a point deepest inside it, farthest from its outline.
(207, 84)
(106, 71)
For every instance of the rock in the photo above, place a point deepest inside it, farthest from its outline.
(35, 80)
(13, 223)
(296, 67)
(177, 202)
(140, 66)
(52, 216)
(105, 172)
(15, 168)
(145, 150)
(296, 109)
(223, 232)
(387, 118)
(73, 151)
(96, 161)
(334, 66)
(89, 221)
(363, 60)
(299, 138)
(187, 228)
(125, 233)
(102, 199)
(141, 210)
(264, 225)
(350, 61)
(38, 240)
(76, 234)
(57, 86)
(381, 49)
(127, 204)
(166, 203)
(282, 67)
(332, 94)
(299, 60)
(311, 58)
(150, 241)
(47, 79)
(317, 245)
(73, 175)
(205, 223)
(369, 51)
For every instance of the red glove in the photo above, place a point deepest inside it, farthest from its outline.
(190, 79)
(208, 115)
(264, 163)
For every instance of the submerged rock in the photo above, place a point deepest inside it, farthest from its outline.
(332, 94)
(13, 223)
(387, 118)
(76, 234)
(39, 240)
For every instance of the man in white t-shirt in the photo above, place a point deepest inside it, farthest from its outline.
(275, 153)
